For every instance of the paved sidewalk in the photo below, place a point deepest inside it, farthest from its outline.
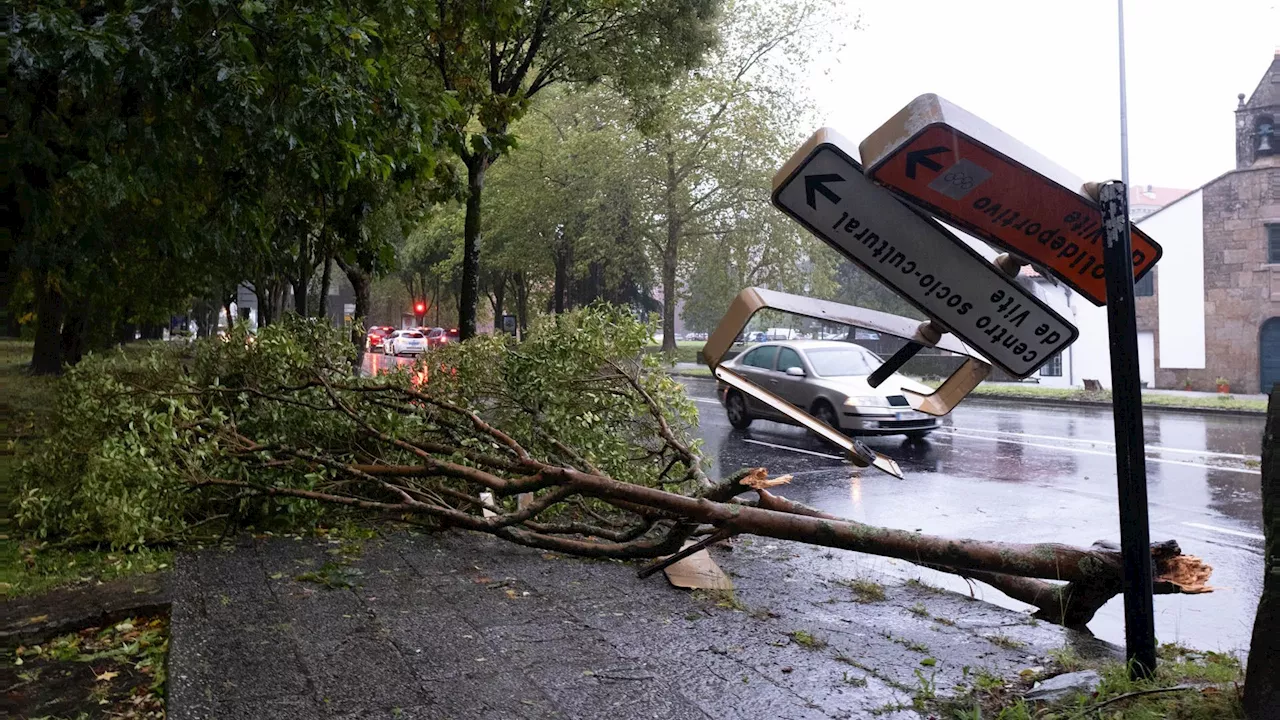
(461, 625)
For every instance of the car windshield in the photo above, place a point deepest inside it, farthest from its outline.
(840, 362)
(413, 335)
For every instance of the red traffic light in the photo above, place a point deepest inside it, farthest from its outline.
(420, 307)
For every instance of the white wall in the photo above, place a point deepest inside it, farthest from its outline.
(1179, 229)
(1090, 353)
(1058, 298)
(1147, 357)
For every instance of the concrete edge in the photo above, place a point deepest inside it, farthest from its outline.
(1095, 403)
(37, 618)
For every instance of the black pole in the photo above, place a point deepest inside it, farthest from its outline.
(1131, 459)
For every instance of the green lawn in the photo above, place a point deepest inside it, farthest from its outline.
(1034, 392)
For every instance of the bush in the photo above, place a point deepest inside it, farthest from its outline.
(135, 442)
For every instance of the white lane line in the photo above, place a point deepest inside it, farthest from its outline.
(1083, 451)
(792, 449)
(1152, 448)
(705, 401)
(1226, 531)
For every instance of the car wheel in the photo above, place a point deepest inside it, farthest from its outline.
(823, 411)
(736, 408)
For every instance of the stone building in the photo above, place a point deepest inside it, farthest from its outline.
(1215, 310)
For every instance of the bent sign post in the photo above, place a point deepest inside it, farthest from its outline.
(974, 176)
(823, 188)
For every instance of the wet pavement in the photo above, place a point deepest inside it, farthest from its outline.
(1003, 471)
(461, 625)
(1030, 473)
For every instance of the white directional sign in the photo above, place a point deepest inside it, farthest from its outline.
(824, 189)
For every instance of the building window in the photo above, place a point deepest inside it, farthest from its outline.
(1053, 368)
(1146, 287)
(1273, 244)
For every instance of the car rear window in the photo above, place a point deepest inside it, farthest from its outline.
(413, 335)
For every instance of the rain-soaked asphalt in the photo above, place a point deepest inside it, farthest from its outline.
(1025, 473)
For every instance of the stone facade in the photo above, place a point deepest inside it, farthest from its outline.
(1242, 291)
(1238, 282)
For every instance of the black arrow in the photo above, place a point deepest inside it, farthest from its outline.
(817, 183)
(921, 157)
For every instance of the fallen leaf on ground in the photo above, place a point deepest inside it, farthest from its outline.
(104, 677)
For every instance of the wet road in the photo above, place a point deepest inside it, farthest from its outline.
(1024, 473)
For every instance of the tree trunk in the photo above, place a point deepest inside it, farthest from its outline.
(469, 294)
(8, 280)
(561, 259)
(497, 297)
(522, 302)
(300, 295)
(326, 276)
(670, 256)
(360, 280)
(75, 330)
(1262, 678)
(46, 357)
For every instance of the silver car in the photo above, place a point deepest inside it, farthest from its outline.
(827, 378)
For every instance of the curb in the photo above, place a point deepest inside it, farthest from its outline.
(1043, 402)
(36, 618)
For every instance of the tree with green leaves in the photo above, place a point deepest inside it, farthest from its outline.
(713, 140)
(494, 56)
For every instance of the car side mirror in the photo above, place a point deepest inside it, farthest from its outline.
(795, 371)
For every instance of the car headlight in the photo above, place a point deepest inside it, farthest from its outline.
(867, 401)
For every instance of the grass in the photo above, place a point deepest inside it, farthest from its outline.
(865, 590)
(806, 639)
(1149, 399)
(28, 567)
(686, 350)
(1215, 680)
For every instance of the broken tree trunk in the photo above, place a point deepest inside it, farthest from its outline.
(416, 451)
(1262, 678)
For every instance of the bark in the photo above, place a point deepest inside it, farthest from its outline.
(360, 280)
(497, 297)
(75, 331)
(300, 294)
(522, 302)
(562, 258)
(670, 257)
(326, 277)
(1262, 677)
(46, 357)
(469, 293)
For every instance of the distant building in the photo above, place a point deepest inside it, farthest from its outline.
(1213, 309)
(1146, 199)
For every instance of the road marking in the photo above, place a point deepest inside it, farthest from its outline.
(792, 449)
(1227, 531)
(1150, 447)
(705, 401)
(1103, 454)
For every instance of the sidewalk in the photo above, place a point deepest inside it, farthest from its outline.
(460, 625)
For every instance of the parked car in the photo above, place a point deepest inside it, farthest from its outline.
(376, 336)
(440, 336)
(829, 380)
(405, 342)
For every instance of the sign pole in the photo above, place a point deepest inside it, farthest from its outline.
(1126, 405)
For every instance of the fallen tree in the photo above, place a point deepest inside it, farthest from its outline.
(581, 440)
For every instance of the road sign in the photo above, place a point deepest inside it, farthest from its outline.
(824, 189)
(974, 176)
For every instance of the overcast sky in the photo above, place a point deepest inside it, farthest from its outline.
(1046, 73)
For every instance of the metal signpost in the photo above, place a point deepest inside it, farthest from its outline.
(823, 188)
(961, 168)
(1126, 407)
(971, 174)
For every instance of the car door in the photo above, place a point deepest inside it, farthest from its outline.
(793, 389)
(757, 366)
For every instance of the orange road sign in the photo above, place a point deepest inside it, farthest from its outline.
(972, 175)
